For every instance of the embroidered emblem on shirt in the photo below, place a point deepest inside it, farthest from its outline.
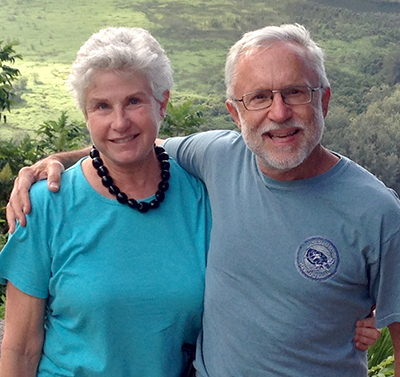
(317, 258)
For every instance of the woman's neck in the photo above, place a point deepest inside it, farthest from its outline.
(138, 181)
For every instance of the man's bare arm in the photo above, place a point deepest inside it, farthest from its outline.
(49, 168)
(394, 329)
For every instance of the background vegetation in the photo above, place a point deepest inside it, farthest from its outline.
(360, 37)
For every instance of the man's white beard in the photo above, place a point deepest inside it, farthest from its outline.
(292, 158)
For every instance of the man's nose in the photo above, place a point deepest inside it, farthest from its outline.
(279, 111)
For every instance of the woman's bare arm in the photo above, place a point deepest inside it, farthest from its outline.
(22, 345)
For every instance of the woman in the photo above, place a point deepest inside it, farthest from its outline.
(107, 279)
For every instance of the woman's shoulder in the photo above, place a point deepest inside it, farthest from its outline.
(184, 178)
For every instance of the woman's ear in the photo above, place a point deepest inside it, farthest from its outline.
(164, 103)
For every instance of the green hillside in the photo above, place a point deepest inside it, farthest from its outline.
(196, 36)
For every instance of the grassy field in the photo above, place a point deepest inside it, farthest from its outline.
(195, 34)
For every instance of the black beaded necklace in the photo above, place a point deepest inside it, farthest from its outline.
(102, 171)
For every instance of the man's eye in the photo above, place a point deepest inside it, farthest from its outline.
(259, 96)
(102, 106)
(295, 91)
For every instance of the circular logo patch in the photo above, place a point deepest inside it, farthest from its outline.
(317, 258)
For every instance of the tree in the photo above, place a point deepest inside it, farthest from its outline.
(374, 139)
(7, 74)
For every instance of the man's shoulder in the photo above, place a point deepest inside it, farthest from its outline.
(207, 139)
(368, 186)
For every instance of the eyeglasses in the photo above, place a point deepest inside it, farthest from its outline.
(292, 95)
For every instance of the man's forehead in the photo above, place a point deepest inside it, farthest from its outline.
(273, 49)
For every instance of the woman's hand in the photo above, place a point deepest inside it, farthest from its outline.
(366, 333)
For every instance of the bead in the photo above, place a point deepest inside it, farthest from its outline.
(143, 207)
(97, 162)
(132, 203)
(165, 175)
(107, 180)
(158, 149)
(164, 165)
(160, 196)
(154, 204)
(162, 156)
(122, 198)
(94, 153)
(114, 190)
(163, 186)
(102, 171)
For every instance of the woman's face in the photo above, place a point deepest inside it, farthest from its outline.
(123, 117)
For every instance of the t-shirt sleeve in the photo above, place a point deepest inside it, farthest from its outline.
(25, 260)
(196, 152)
(386, 286)
(187, 152)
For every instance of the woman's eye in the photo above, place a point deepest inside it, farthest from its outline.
(134, 101)
(102, 106)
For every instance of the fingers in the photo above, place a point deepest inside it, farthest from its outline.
(11, 219)
(361, 346)
(54, 171)
(366, 333)
(363, 342)
(19, 204)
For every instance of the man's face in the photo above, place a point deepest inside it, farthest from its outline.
(282, 136)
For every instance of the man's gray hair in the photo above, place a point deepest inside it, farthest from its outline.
(267, 36)
(121, 49)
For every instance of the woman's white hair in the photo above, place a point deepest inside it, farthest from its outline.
(267, 36)
(121, 49)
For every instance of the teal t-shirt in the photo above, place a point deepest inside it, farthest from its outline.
(124, 289)
(292, 265)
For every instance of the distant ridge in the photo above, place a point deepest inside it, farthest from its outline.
(363, 5)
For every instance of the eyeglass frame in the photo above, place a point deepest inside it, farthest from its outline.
(312, 90)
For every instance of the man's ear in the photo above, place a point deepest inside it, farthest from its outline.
(325, 101)
(234, 112)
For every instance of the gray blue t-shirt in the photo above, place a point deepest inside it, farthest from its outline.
(124, 289)
(292, 265)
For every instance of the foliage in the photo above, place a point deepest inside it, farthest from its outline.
(51, 136)
(182, 119)
(391, 66)
(60, 135)
(372, 139)
(380, 356)
(7, 74)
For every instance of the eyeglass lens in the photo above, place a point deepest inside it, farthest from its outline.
(294, 95)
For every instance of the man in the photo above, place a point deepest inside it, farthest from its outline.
(304, 241)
